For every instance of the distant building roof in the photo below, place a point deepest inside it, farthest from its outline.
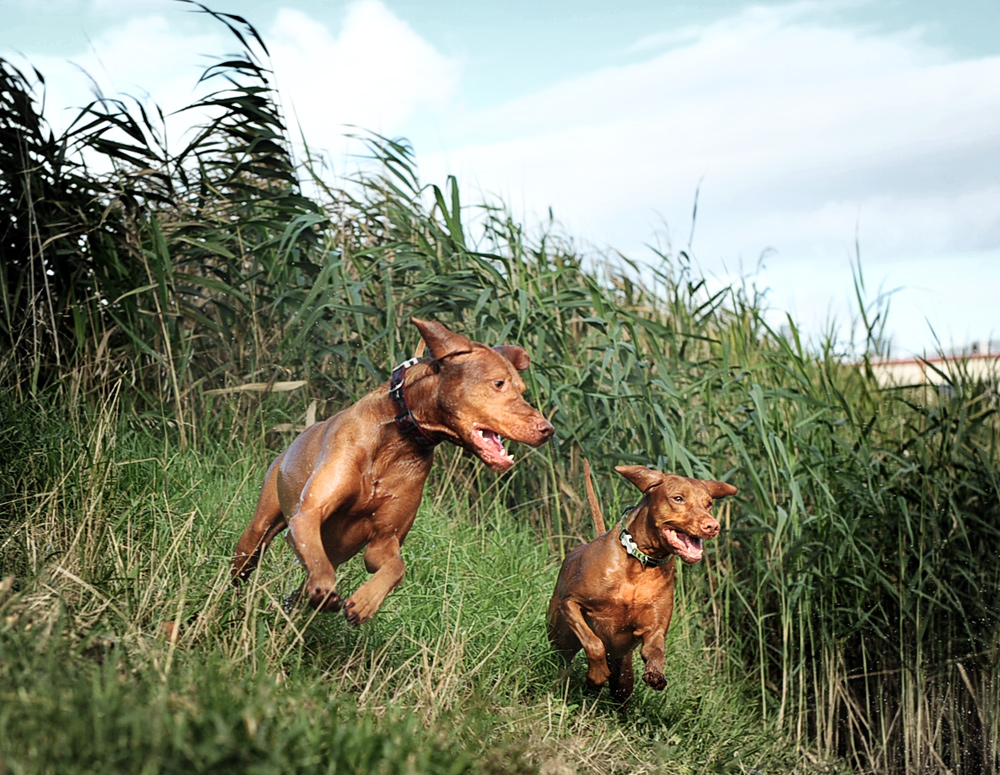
(979, 360)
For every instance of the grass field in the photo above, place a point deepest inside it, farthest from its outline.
(164, 328)
(123, 648)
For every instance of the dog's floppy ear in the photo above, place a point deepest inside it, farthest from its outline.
(643, 477)
(441, 341)
(516, 355)
(719, 489)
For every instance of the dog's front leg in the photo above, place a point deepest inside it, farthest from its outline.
(383, 560)
(320, 587)
(322, 496)
(653, 654)
(593, 647)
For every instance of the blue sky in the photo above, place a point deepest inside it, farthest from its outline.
(805, 126)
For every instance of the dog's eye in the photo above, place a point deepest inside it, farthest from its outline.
(498, 384)
(679, 498)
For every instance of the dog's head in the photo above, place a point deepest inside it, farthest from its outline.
(679, 508)
(479, 395)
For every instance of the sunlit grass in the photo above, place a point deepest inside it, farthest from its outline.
(126, 647)
(164, 327)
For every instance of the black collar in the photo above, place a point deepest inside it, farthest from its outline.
(405, 420)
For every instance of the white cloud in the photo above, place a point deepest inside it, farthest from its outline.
(800, 132)
(145, 57)
(376, 74)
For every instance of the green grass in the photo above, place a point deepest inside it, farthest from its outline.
(163, 325)
(110, 534)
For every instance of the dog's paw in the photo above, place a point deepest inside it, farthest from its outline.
(655, 679)
(596, 678)
(359, 607)
(353, 613)
(324, 599)
(243, 566)
(594, 685)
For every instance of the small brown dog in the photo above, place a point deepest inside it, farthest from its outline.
(618, 590)
(355, 480)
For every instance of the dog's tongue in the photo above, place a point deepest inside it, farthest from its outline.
(493, 452)
(688, 548)
(492, 437)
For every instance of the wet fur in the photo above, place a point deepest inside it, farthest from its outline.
(354, 481)
(608, 603)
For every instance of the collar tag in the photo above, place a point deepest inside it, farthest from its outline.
(630, 547)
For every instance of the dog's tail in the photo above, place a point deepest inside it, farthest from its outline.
(595, 509)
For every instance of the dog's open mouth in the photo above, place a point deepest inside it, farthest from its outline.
(488, 445)
(688, 548)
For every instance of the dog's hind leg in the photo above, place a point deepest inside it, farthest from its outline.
(268, 520)
(563, 640)
(622, 679)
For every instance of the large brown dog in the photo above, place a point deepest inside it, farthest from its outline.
(355, 480)
(618, 590)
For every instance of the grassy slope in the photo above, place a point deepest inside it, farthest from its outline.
(856, 584)
(109, 533)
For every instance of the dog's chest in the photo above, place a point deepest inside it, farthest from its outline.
(651, 589)
(636, 601)
(635, 607)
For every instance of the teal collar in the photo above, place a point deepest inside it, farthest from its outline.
(628, 543)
